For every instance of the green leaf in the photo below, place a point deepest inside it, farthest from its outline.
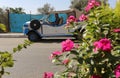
(80, 60)
(7, 73)
(7, 64)
(15, 50)
(3, 27)
(74, 52)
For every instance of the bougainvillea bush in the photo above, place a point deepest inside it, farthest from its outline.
(98, 54)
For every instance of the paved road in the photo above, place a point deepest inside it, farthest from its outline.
(33, 61)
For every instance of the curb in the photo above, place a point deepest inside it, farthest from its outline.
(12, 35)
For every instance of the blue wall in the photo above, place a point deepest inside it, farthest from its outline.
(17, 21)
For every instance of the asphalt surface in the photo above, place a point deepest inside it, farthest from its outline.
(33, 61)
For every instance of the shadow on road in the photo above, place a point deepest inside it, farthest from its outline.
(52, 40)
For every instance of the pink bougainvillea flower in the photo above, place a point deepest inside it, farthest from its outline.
(89, 7)
(117, 71)
(103, 44)
(96, 76)
(48, 75)
(67, 45)
(94, 2)
(116, 30)
(96, 44)
(91, 4)
(55, 53)
(66, 61)
(67, 24)
(71, 19)
(83, 17)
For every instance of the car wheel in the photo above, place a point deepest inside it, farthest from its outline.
(34, 37)
(35, 24)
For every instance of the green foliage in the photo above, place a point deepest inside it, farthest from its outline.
(100, 23)
(117, 14)
(3, 20)
(18, 10)
(6, 58)
(3, 27)
(45, 9)
(84, 61)
(117, 8)
(21, 46)
(80, 4)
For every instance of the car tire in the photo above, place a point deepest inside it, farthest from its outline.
(35, 24)
(34, 37)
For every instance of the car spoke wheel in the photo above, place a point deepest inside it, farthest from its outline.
(35, 24)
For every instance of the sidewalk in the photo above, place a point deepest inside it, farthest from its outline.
(12, 35)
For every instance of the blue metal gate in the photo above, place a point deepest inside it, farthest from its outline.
(17, 21)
